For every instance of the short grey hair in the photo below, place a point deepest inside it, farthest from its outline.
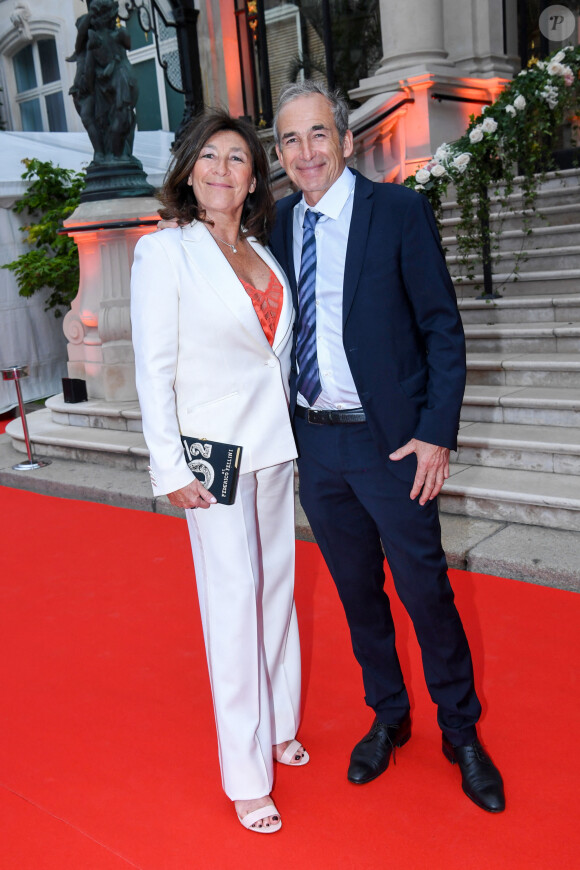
(306, 89)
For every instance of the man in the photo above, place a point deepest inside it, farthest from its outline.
(377, 388)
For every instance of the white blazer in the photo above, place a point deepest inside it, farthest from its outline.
(203, 364)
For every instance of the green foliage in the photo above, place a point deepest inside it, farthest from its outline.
(510, 141)
(53, 261)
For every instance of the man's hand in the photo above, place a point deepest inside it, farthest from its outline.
(432, 467)
(193, 495)
(167, 225)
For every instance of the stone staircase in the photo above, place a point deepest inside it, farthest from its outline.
(519, 441)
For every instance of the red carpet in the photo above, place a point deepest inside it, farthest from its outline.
(4, 421)
(107, 744)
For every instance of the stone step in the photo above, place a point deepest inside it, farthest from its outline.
(518, 239)
(512, 495)
(533, 405)
(548, 406)
(96, 414)
(103, 446)
(556, 179)
(512, 445)
(529, 283)
(564, 307)
(561, 190)
(546, 216)
(560, 258)
(546, 499)
(546, 202)
(524, 337)
(536, 369)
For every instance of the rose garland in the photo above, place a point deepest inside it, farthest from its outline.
(511, 139)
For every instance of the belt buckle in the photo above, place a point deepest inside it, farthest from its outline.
(311, 417)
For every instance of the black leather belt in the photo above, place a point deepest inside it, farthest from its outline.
(321, 418)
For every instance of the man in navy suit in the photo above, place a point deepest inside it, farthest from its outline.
(377, 389)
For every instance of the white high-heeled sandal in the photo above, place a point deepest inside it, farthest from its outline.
(290, 752)
(251, 818)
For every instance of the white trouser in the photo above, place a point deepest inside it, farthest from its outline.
(244, 565)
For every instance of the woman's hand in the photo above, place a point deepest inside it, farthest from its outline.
(193, 495)
(167, 225)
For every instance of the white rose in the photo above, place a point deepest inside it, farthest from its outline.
(551, 95)
(484, 110)
(442, 153)
(419, 187)
(555, 68)
(558, 57)
(489, 125)
(460, 162)
(511, 111)
(438, 170)
(476, 135)
(541, 64)
(422, 176)
(520, 102)
(523, 72)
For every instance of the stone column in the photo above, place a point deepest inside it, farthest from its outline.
(412, 35)
(475, 41)
(98, 326)
(453, 42)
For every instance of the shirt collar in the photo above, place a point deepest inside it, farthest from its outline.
(334, 200)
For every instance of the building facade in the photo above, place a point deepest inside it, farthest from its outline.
(425, 64)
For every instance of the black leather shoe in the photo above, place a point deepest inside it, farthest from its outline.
(481, 780)
(371, 756)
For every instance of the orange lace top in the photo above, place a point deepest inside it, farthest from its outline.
(267, 304)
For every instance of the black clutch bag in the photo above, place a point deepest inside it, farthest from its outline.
(215, 464)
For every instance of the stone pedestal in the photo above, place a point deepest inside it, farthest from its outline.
(98, 326)
(119, 178)
(396, 132)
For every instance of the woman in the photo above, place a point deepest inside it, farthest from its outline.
(212, 329)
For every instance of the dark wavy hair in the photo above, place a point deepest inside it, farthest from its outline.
(176, 195)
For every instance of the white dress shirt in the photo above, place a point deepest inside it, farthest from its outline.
(332, 229)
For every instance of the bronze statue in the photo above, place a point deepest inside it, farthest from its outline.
(105, 94)
(105, 88)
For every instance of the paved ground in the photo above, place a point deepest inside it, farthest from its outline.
(549, 557)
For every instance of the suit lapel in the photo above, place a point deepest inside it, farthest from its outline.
(287, 219)
(201, 248)
(357, 241)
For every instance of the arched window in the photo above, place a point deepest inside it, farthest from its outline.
(39, 97)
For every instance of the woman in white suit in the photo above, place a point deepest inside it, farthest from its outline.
(212, 325)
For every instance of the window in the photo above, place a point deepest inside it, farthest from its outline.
(159, 106)
(38, 87)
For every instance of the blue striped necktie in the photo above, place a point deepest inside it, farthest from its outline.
(308, 376)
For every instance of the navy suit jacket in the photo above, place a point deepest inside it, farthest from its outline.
(402, 332)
